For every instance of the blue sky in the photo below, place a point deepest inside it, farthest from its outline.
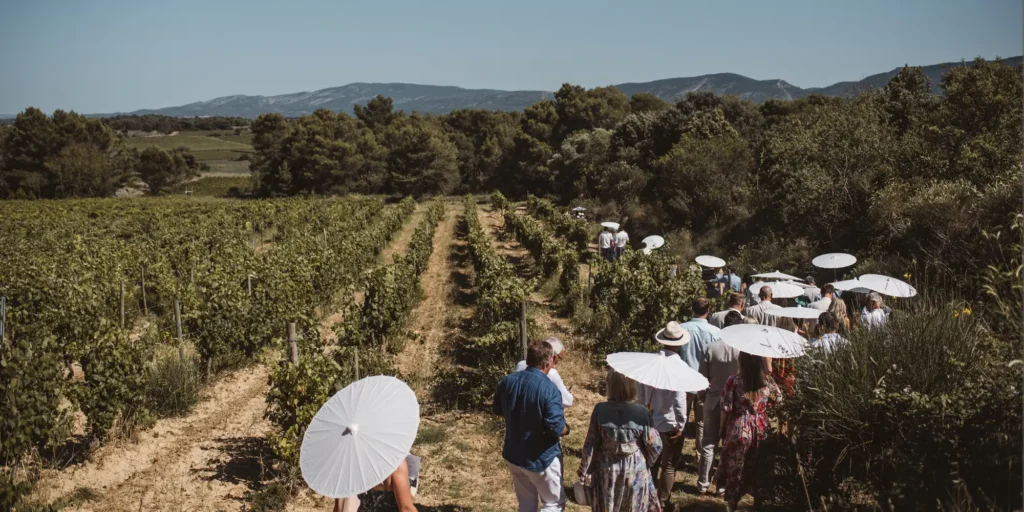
(104, 55)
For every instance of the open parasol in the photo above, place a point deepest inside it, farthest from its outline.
(611, 225)
(764, 340)
(888, 285)
(780, 290)
(777, 275)
(834, 260)
(359, 436)
(795, 312)
(658, 371)
(710, 261)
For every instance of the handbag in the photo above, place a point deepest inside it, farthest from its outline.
(582, 494)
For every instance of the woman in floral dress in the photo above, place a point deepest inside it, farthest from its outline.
(620, 448)
(745, 400)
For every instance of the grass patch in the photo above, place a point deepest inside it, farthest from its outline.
(431, 434)
(174, 383)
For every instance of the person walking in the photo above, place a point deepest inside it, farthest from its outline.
(827, 295)
(668, 410)
(758, 312)
(719, 363)
(811, 292)
(873, 316)
(828, 338)
(534, 423)
(744, 404)
(606, 242)
(736, 303)
(702, 334)
(559, 350)
(838, 308)
(621, 242)
(621, 446)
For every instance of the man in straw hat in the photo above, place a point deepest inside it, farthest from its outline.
(668, 409)
(534, 423)
(559, 350)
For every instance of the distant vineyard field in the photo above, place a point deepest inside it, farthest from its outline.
(220, 149)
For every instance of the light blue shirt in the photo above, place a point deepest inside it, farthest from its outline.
(702, 334)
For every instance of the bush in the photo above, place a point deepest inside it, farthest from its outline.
(636, 296)
(913, 411)
(113, 396)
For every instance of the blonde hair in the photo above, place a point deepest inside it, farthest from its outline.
(620, 387)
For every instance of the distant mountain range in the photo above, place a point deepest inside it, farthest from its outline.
(440, 99)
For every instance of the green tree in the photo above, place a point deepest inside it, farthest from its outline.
(377, 113)
(421, 160)
(647, 102)
(160, 169)
(83, 170)
(581, 109)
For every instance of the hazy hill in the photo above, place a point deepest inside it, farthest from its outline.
(435, 99)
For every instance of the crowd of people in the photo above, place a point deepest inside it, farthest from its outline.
(634, 441)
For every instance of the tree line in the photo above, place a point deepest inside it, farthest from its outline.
(70, 155)
(900, 172)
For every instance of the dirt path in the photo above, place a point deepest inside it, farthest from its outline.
(203, 461)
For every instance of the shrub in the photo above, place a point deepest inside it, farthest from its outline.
(913, 410)
(114, 392)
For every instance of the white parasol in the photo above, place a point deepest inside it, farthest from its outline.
(653, 242)
(610, 225)
(801, 285)
(777, 275)
(579, 209)
(359, 437)
(888, 285)
(780, 290)
(764, 340)
(658, 371)
(851, 285)
(834, 260)
(797, 312)
(710, 261)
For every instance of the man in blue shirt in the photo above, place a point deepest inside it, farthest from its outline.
(534, 422)
(702, 334)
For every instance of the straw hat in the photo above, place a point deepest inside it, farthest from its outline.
(673, 335)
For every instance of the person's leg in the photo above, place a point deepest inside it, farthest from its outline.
(550, 489)
(526, 490)
(698, 418)
(670, 455)
(709, 440)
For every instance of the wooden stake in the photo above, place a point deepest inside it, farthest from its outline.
(293, 345)
(522, 328)
(122, 303)
(356, 360)
(248, 283)
(145, 307)
(3, 317)
(177, 330)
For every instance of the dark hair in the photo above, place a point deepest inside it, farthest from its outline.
(700, 306)
(747, 279)
(539, 354)
(752, 371)
(828, 290)
(733, 318)
(828, 322)
(736, 299)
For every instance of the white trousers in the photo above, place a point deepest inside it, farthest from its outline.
(545, 488)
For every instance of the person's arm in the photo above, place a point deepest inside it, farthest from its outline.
(593, 437)
(555, 377)
(704, 367)
(554, 414)
(652, 441)
(400, 486)
(679, 408)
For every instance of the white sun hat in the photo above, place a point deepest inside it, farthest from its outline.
(764, 340)
(359, 437)
(658, 371)
(673, 335)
